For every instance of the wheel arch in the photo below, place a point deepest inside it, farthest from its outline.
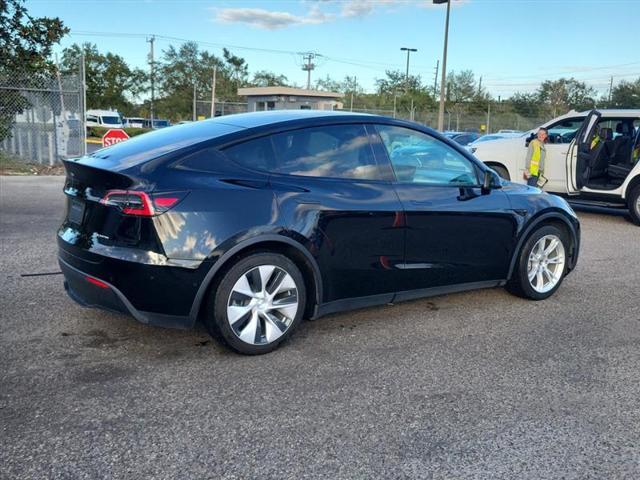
(548, 218)
(287, 246)
(492, 164)
(630, 186)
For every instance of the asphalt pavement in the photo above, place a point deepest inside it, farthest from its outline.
(469, 386)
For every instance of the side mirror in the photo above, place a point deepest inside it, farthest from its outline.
(490, 181)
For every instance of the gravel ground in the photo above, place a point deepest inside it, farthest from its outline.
(474, 385)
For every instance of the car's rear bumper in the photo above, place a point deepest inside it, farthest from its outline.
(90, 291)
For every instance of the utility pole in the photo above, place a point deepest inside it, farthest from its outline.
(610, 91)
(488, 127)
(308, 66)
(408, 50)
(435, 80)
(213, 92)
(395, 99)
(151, 40)
(83, 112)
(355, 85)
(194, 100)
(444, 64)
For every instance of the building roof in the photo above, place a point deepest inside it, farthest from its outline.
(288, 91)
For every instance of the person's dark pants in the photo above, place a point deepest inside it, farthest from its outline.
(532, 181)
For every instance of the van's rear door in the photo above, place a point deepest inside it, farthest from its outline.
(578, 164)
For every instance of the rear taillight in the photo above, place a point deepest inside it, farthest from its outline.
(96, 282)
(132, 202)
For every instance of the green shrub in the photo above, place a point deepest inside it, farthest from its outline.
(98, 132)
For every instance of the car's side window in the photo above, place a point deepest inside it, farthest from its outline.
(203, 160)
(564, 131)
(334, 151)
(255, 154)
(420, 158)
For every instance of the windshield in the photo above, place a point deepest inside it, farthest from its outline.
(111, 120)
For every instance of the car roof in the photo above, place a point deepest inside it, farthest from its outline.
(259, 119)
(103, 112)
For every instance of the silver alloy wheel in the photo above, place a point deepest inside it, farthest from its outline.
(546, 263)
(262, 304)
(638, 205)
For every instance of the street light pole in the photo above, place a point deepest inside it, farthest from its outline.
(444, 64)
(408, 50)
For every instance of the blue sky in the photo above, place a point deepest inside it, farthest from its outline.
(512, 44)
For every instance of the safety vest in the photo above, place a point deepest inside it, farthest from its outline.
(536, 154)
(595, 142)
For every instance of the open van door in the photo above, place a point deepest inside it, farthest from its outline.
(579, 156)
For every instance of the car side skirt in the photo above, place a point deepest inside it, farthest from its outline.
(369, 301)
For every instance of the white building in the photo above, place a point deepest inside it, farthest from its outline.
(288, 98)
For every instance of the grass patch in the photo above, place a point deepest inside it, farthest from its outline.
(11, 165)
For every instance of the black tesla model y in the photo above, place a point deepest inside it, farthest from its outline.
(252, 222)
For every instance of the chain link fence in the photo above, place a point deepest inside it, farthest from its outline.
(41, 118)
(496, 118)
(203, 108)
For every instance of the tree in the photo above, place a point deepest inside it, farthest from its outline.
(111, 83)
(25, 48)
(464, 94)
(526, 104)
(626, 94)
(565, 94)
(187, 68)
(264, 78)
(26, 41)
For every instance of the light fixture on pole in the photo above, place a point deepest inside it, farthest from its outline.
(444, 64)
(408, 50)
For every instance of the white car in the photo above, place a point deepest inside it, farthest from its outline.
(606, 174)
(104, 118)
(134, 122)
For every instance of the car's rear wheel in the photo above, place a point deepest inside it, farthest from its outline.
(541, 264)
(258, 303)
(634, 205)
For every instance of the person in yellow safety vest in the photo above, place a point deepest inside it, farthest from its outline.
(595, 141)
(536, 154)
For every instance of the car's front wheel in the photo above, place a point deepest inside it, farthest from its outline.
(541, 264)
(257, 303)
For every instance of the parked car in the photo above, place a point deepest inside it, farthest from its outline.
(157, 123)
(104, 118)
(134, 122)
(508, 130)
(608, 175)
(462, 138)
(252, 222)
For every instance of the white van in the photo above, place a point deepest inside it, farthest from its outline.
(104, 118)
(604, 174)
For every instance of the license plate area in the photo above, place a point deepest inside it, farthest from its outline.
(76, 211)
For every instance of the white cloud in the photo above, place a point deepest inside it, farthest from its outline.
(274, 20)
(271, 20)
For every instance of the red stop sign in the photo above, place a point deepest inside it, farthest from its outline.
(113, 136)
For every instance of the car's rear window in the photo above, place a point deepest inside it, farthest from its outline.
(147, 146)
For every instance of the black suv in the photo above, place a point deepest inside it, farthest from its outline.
(251, 222)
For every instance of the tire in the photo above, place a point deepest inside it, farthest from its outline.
(544, 283)
(500, 170)
(633, 202)
(249, 318)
